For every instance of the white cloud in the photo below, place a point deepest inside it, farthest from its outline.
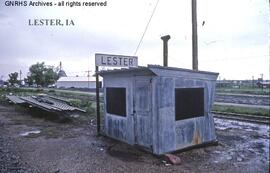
(232, 29)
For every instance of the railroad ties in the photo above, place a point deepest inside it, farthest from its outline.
(242, 117)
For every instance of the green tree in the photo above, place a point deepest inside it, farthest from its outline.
(50, 76)
(29, 80)
(42, 75)
(13, 78)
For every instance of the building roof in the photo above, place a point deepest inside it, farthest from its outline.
(62, 73)
(159, 71)
(267, 83)
(76, 78)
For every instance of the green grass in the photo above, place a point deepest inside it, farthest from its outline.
(83, 104)
(241, 110)
(244, 90)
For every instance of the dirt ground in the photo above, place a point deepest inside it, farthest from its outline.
(72, 146)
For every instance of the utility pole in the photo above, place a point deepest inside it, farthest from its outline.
(194, 35)
(88, 76)
(97, 101)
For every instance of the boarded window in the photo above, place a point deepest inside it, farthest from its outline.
(189, 103)
(116, 101)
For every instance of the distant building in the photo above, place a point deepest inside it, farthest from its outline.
(223, 83)
(61, 72)
(76, 82)
(265, 84)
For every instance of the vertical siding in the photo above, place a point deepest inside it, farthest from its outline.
(175, 135)
(120, 128)
(155, 115)
(165, 133)
(116, 127)
(166, 114)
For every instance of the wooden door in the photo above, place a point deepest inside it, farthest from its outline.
(142, 112)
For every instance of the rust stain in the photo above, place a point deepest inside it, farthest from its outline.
(197, 137)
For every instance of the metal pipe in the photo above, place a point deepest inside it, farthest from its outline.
(165, 49)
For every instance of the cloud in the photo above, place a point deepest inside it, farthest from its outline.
(2, 16)
(231, 29)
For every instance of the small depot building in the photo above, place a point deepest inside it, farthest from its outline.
(161, 109)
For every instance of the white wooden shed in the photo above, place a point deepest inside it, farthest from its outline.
(161, 109)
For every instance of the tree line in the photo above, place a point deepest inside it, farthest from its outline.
(39, 74)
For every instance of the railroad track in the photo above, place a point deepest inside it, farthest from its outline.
(234, 116)
(242, 117)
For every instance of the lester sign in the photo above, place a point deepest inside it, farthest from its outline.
(116, 60)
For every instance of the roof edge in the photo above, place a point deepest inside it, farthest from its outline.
(152, 69)
(182, 69)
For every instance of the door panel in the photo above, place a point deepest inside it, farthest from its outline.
(142, 112)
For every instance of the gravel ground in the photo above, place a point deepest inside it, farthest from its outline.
(74, 147)
(243, 99)
(9, 160)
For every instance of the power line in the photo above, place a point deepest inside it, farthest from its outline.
(146, 27)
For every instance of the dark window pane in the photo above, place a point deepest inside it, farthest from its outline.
(189, 103)
(116, 101)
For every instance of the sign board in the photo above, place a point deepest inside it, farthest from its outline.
(111, 61)
(116, 60)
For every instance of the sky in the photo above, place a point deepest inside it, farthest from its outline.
(233, 41)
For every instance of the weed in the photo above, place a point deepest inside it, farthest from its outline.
(241, 110)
